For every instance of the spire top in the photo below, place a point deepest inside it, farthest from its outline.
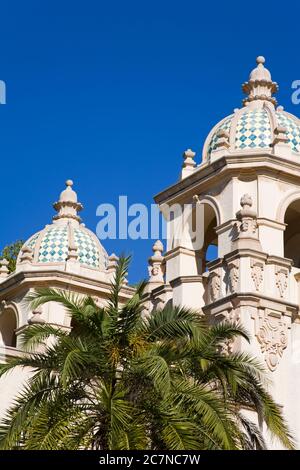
(67, 206)
(260, 59)
(260, 85)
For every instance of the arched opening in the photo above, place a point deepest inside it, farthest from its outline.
(209, 250)
(8, 325)
(195, 230)
(292, 233)
(210, 246)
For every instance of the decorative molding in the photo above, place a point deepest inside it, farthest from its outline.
(271, 330)
(281, 276)
(257, 268)
(233, 315)
(233, 275)
(214, 286)
(178, 281)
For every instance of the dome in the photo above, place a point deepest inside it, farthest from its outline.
(255, 126)
(254, 130)
(66, 238)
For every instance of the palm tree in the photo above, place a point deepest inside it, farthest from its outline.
(120, 380)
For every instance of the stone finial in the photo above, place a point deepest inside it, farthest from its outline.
(260, 85)
(157, 249)
(68, 206)
(26, 255)
(156, 266)
(36, 318)
(4, 271)
(247, 234)
(246, 202)
(189, 163)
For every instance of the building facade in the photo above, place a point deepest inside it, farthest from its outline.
(246, 195)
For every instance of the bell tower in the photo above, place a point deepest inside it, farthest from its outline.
(233, 248)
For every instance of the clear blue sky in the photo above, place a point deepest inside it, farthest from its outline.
(110, 93)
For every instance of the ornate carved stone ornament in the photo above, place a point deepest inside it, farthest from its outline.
(246, 226)
(233, 315)
(37, 317)
(214, 286)
(225, 347)
(26, 254)
(271, 330)
(233, 275)
(4, 272)
(155, 268)
(257, 268)
(281, 275)
(246, 215)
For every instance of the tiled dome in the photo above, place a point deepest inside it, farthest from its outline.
(54, 242)
(253, 130)
(253, 127)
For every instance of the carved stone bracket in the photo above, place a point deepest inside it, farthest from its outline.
(281, 276)
(271, 330)
(257, 269)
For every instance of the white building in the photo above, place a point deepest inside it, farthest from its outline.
(247, 189)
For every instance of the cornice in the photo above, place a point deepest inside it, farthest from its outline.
(185, 280)
(64, 280)
(229, 166)
(256, 299)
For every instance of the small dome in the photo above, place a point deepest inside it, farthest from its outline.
(258, 125)
(66, 237)
(254, 129)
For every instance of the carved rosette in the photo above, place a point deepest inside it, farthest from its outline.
(271, 330)
(214, 286)
(281, 275)
(257, 268)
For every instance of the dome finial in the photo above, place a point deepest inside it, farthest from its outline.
(68, 205)
(260, 85)
(260, 59)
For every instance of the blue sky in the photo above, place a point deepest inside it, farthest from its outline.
(111, 93)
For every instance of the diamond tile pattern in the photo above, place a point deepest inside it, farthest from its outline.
(32, 241)
(88, 252)
(253, 130)
(226, 127)
(54, 245)
(293, 130)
